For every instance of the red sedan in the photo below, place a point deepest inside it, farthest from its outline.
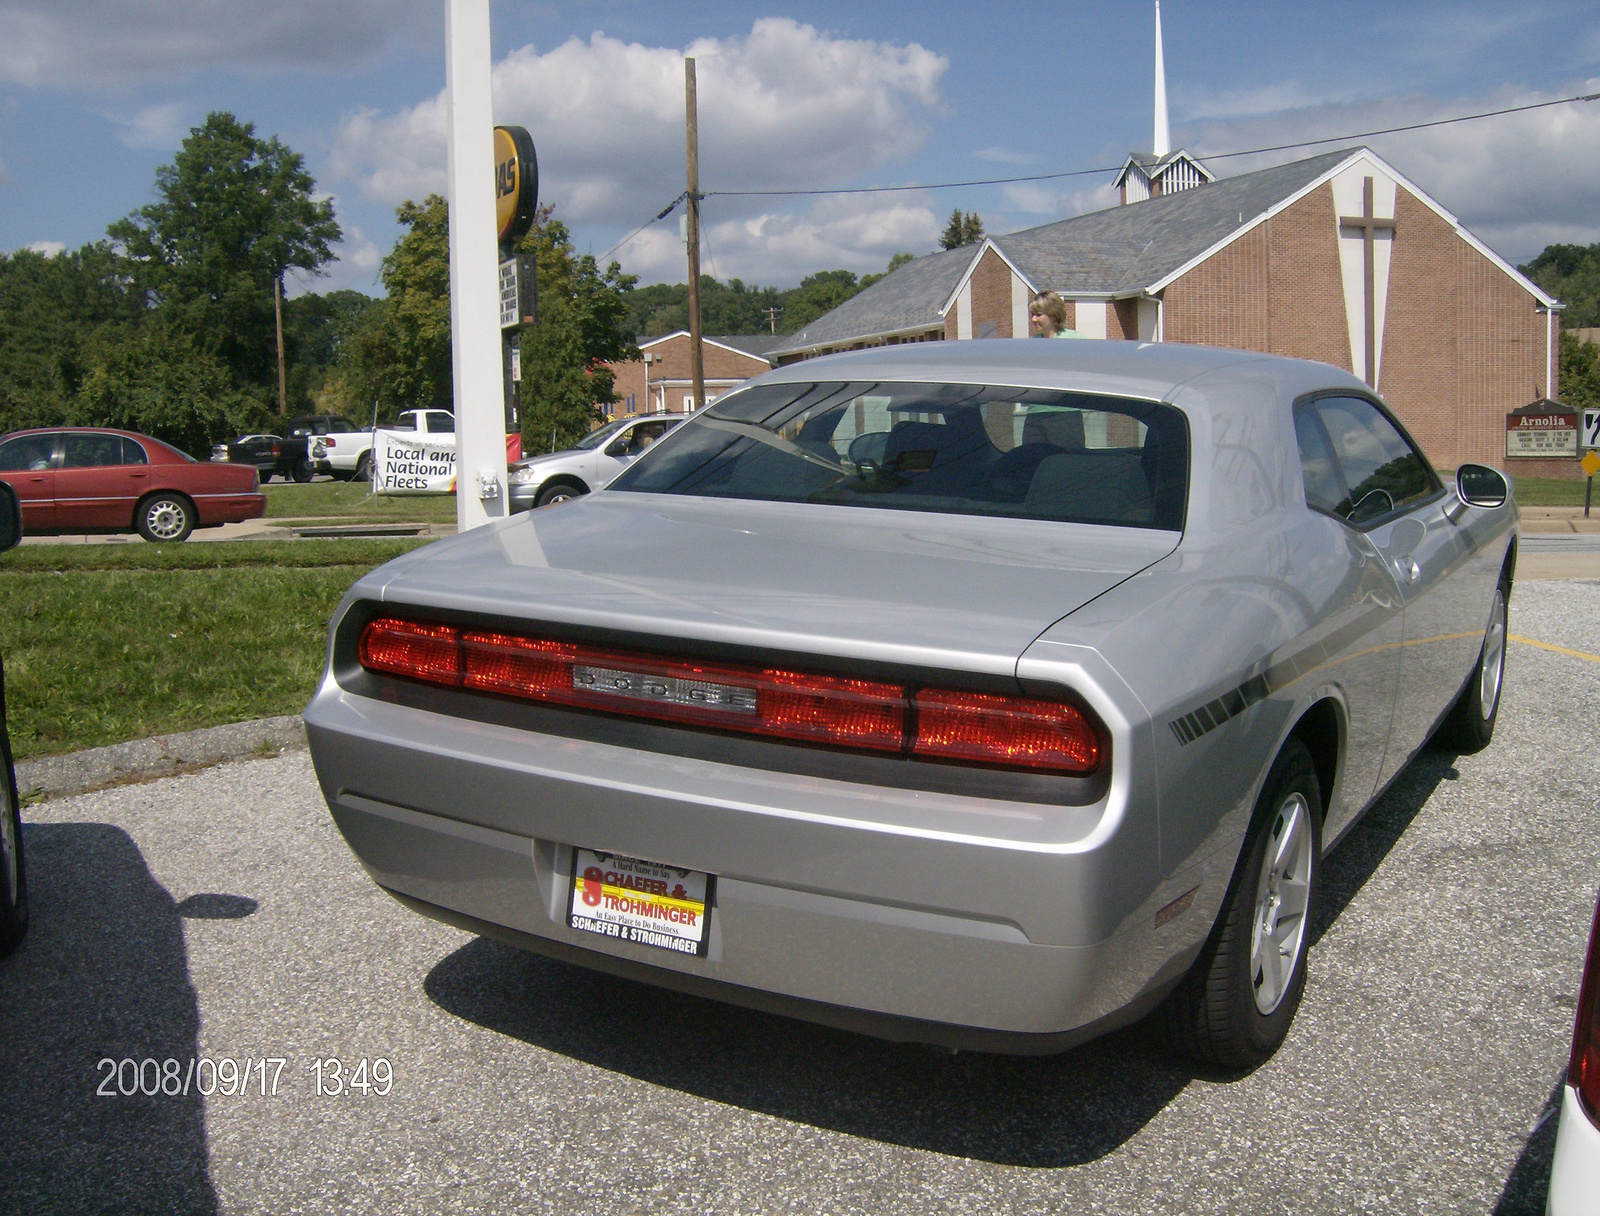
(95, 479)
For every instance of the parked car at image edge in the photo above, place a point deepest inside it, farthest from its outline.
(991, 694)
(287, 455)
(347, 455)
(542, 481)
(13, 873)
(98, 479)
(1575, 1170)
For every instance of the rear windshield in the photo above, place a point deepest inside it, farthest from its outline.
(964, 449)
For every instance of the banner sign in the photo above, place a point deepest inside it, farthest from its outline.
(1546, 435)
(406, 462)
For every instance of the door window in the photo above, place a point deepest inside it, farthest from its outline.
(440, 424)
(90, 451)
(1350, 449)
(27, 454)
(133, 452)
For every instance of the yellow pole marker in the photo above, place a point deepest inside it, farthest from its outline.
(1576, 654)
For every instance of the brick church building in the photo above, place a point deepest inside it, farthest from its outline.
(1338, 257)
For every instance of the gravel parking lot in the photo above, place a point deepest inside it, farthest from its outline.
(218, 916)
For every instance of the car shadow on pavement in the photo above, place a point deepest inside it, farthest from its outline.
(1029, 1111)
(1041, 1112)
(102, 975)
(1528, 1185)
(1357, 857)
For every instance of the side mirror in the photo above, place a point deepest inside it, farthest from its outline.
(10, 519)
(617, 447)
(1480, 486)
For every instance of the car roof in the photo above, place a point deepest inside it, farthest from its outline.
(1148, 370)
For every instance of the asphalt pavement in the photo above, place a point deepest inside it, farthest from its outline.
(217, 916)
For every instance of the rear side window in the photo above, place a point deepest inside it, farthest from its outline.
(90, 451)
(1356, 463)
(133, 452)
(959, 448)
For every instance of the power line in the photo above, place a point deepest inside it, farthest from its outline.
(1047, 177)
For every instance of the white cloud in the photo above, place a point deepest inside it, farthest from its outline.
(785, 106)
(1519, 181)
(99, 42)
(50, 249)
(853, 232)
(1006, 156)
(158, 126)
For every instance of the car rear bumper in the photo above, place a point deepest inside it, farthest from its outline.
(229, 508)
(912, 915)
(1575, 1172)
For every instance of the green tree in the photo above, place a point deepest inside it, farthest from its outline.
(964, 228)
(817, 294)
(316, 329)
(233, 214)
(1579, 375)
(399, 355)
(160, 383)
(54, 311)
(583, 316)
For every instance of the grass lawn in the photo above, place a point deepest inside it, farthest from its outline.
(352, 500)
(104, 643)
(1549, 492)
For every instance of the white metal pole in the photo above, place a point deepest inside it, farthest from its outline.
(474, 269)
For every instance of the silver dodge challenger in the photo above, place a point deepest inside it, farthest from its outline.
(986, 694)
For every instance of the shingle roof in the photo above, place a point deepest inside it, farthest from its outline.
(1120, 249)
(909, 298)
(1131, 247)
(751, 344)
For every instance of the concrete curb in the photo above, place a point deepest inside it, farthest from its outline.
(147, 759)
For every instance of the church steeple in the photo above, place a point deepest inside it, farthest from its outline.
(1162, 143)
(1161, 170)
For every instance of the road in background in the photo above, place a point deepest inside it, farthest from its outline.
(219, 915)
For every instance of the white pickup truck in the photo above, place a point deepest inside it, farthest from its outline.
(348, 455)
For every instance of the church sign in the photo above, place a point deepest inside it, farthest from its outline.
(1551, 435)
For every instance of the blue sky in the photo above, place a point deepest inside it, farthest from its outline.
(95, 95)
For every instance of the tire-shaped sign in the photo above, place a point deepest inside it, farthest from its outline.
(516, 182)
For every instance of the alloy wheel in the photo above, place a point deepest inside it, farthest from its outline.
(1494, 658)
(1283, 890)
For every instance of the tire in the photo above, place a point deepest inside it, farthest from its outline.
(363, 468)
(302, 471)
(561, 491)
(265, 475)
(165, 518)
(1470, 724)
(1235, 1007)
(13, 874)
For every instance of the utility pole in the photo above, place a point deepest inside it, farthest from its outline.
(277, 308)
(772, 317)
(697, 367)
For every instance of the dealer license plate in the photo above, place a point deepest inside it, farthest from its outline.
(640, 901)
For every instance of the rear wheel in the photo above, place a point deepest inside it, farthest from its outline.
(1470, 724)
(265, 475)
(165, 517)
(302, 471)
(363, 468)
(1235, 1007)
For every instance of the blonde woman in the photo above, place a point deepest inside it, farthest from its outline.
(1047, 317)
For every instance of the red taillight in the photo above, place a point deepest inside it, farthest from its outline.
(405, 648)
(970, 728)
(1583, 1074)
(328, 441)
(984, 729)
